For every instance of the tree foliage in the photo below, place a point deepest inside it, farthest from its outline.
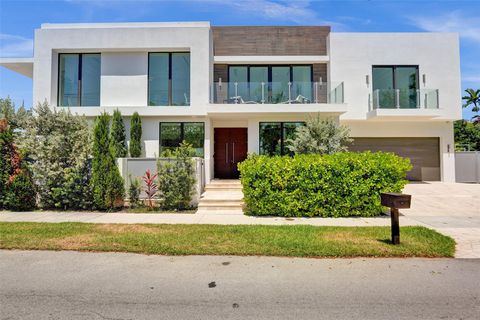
(320, 136)
(59, 145)
(473, 99)
(16, 119)
(118, 139)
(467, 135)
(20, 194)
(9, 159)
(108, 185)
(135, 136)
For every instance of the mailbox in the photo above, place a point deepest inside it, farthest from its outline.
(395, 200)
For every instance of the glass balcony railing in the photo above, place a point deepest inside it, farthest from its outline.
(405, 99)
(276, 92)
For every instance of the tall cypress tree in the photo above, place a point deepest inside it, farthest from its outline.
(108, 186)
(118, 139)
(135, 136)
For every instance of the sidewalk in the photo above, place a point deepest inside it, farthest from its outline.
(195, 218)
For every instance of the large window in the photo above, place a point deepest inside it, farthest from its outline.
(245, 82)
(79, 79)
(395, 86)
(274, 137)
(173, 133)
(169, 79)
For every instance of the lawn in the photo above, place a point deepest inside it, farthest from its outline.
(241, 240)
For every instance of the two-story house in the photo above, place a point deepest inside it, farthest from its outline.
(234, 90)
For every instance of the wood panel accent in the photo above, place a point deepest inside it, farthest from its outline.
(220, 71)
(424, 153)
(270, 41)
(319, 70)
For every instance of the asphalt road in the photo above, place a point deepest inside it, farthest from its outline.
(70, 285)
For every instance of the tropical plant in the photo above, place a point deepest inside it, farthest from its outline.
(320, 136)
(59, 145)
(108, 185)
(176, 178)
(118, 139)
(473, 99)
(135, 136)
(134, 190)
(151, 187)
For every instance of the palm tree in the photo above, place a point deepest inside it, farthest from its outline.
(473, 99)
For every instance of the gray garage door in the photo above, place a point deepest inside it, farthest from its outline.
(424, 153)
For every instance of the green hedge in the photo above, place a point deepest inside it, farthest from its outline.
(338, 185)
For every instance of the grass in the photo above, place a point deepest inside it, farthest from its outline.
(241, 240)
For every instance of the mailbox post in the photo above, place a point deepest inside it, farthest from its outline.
(395, 201)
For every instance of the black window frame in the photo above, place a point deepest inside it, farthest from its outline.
(182, 132)
(79, 90)
(169, 79)
(394, 68)
(269, 69)
(282, 138)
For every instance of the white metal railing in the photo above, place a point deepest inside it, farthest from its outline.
(405, 99)
(276, 92)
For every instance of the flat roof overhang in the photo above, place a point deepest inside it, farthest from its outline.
(24, 66)
(404, 114)
(255, 110)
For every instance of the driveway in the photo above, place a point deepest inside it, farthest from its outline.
(450, 208)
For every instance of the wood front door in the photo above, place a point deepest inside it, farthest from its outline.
(230, 148)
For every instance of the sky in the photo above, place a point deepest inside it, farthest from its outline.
(19, 19)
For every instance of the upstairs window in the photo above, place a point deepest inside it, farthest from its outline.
(79, 79)
(395, 86)
(271, 83)
(169, 79)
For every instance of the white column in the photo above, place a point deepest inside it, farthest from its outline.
(447, 154)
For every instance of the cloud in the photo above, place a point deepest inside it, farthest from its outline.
(296, 11)
(467, 26)
(15, 46)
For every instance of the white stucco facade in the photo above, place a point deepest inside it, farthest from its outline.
(124, 50)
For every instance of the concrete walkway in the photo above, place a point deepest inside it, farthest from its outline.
(452, 209)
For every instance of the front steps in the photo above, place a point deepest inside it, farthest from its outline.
(222, 196)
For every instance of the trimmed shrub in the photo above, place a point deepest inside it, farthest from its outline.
(118, 139)
(176, 179)
(107, 184)
(20, 195)
(338, 185)
(135, 136)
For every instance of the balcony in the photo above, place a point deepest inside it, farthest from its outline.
(403, 104)
(276, 97)
(276, 93)
(405, 99)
